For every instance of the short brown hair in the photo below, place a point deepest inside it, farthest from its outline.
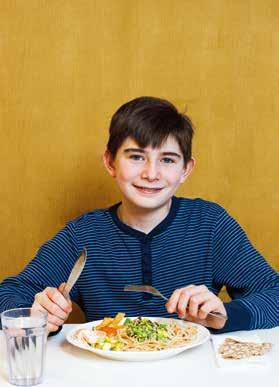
(149, 121)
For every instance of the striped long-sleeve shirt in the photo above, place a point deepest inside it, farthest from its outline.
(197, 243)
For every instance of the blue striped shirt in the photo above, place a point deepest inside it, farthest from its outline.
(197, 243)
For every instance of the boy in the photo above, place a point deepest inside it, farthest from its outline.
(187, 248)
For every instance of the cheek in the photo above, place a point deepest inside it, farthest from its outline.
(125, 173)
(174, 178)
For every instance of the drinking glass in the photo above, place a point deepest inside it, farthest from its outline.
(26, 335)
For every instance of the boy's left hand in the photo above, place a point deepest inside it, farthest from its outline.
(193, 303)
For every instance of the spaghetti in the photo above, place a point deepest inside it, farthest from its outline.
(139, 334)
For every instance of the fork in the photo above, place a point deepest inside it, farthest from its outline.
(156, 292)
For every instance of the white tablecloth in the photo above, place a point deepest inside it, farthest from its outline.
(72, 367)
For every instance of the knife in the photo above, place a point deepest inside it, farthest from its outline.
(75, 273)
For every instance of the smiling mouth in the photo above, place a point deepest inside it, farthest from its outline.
(148, 189)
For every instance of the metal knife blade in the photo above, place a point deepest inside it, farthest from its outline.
(75, 273)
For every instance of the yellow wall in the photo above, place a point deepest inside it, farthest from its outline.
(67, 65)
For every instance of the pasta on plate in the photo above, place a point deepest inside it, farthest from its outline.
(137, 334)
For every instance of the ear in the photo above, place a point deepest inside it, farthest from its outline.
(109, 163)
(188, 169)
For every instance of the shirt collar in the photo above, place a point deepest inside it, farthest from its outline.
(162, 226)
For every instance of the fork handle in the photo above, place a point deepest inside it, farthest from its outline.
(218, 314)
(214, 314)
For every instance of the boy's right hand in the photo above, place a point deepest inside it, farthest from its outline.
(57, 306)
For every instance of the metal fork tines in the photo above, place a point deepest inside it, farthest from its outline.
(145, 289)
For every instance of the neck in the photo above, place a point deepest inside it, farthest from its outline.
(142, 219)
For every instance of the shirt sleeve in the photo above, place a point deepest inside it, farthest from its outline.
(50, 267)
(251, 282)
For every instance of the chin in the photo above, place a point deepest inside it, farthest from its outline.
(150, 203)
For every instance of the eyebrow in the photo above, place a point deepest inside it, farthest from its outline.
(142, 151)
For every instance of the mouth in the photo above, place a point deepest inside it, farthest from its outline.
(148, 190)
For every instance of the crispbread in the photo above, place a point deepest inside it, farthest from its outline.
(235, 349)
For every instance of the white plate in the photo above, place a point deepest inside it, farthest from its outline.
(202, 336)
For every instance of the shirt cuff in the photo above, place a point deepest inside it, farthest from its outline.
(239, 318)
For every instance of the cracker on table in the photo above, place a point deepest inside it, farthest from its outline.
(235, 349)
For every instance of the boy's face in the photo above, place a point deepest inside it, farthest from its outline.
(148, 177)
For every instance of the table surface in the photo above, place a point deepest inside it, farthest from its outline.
(69, 366)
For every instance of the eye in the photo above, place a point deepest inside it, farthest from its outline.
(136, 157)
(168, 160)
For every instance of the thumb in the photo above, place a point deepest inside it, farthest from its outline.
(62, 286)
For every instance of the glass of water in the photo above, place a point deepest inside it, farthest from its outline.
(26, 335)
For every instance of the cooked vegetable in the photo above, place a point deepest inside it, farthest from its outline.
(110, 325)
(144, 329)
(110, 331)
(139, 334)
(109, 343)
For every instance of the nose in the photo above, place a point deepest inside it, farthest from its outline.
(151, 171)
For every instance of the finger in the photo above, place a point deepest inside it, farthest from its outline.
(36, 305)
(56, 296)
(172, 304)
(50, 306)
(52, 319)
(209, 306)
(195, 289)
(196, 301)
(62, 287)
(183, 303)
(196, 320)
(173, 300)
(192, 290)
(52, 328)
(185, 296)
